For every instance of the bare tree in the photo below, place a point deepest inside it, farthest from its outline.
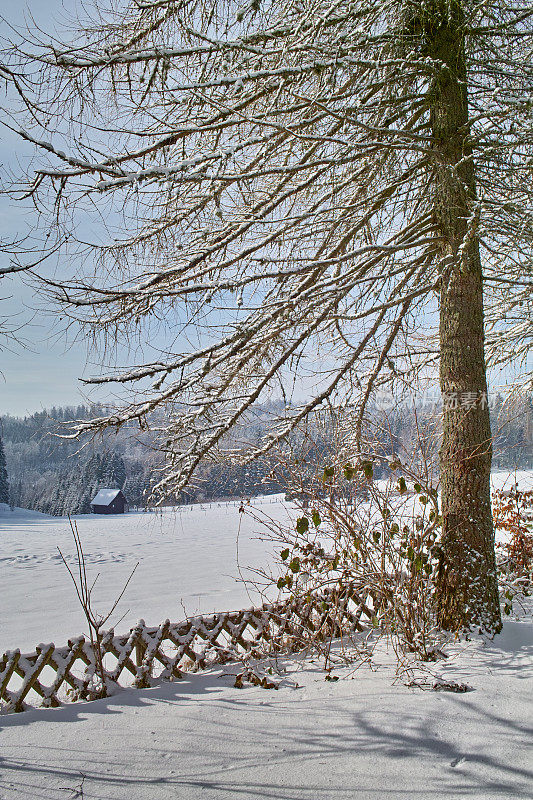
(95, 620)
(298, 189)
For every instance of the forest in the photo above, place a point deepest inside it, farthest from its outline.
(60, 476)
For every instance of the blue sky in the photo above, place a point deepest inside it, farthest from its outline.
(44, 368)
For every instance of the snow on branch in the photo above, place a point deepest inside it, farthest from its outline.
(267, 178)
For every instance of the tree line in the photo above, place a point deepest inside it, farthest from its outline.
(54, 476)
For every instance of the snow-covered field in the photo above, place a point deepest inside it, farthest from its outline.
(188, 563)
(504, 480)
(363, 737)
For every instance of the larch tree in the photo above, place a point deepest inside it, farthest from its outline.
(297, 189)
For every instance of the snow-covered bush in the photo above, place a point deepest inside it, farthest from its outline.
(350, 527)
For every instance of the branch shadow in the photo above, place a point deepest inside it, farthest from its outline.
(282, 746)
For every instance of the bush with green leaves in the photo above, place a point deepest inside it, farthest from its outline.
(379, 534)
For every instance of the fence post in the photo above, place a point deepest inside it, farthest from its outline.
(140, 650)
(144, 671)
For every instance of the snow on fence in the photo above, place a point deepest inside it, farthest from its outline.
(165, 652)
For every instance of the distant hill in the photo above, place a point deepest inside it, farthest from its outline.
(59, 476)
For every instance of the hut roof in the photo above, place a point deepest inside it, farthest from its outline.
(104, 497)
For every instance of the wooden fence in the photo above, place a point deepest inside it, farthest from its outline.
(165, 652)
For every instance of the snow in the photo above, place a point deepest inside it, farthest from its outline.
(366, 736)
(363, 737)
(505, 479)
(189, 563)
(104, 497)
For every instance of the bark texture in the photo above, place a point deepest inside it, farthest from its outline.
(467, 591)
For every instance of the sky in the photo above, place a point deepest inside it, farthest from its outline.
(44, 366)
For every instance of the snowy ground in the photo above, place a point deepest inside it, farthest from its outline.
(188, 561)
(364, 737)
(361, 738)
(504, 480)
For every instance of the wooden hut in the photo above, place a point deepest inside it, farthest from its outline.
(109, 501)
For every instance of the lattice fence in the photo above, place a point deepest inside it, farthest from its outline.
(51, 673)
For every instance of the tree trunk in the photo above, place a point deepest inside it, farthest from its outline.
(467, 591)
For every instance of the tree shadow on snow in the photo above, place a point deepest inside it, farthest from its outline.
(275, 746)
